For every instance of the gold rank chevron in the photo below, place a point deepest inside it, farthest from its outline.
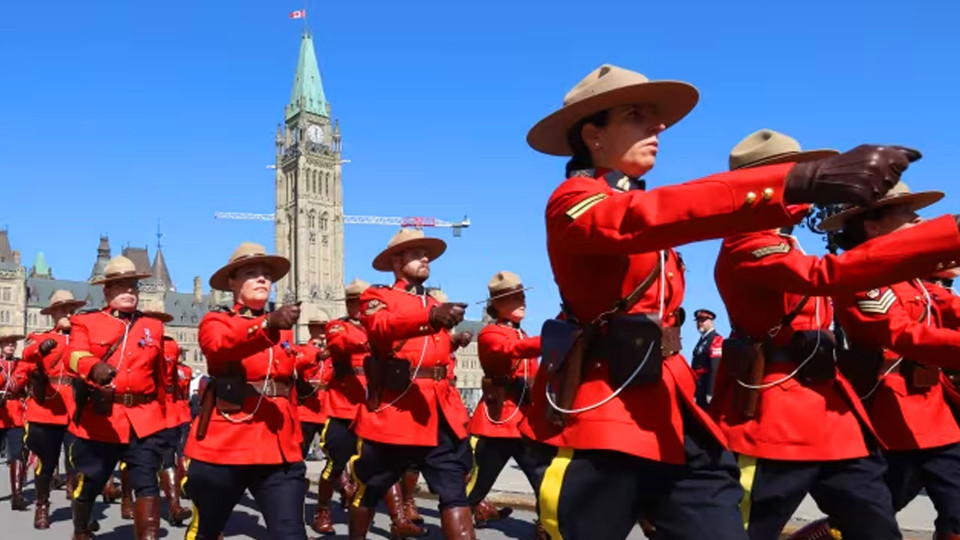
(578, 209)
(879, 306)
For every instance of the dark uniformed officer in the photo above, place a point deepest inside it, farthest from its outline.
(907, 400)
(13, 385)
(313, 374)
(415, 417)
(631, 440)
(51, 400)
(247, 435)
(117, 355)
(508, 357)
(706, 355)
(808, 432)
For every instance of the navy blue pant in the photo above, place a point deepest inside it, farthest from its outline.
(172, 446)
(851, 492)
(490, 455)
(95, 462)
(339, 444)
(592, 494)
(937, 470)
(444, 466)
(12, 438)
(46, 440)
(215, 490)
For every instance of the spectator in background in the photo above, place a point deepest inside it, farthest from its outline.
(706, 355)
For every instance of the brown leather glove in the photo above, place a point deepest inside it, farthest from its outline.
(102, 373)
(284, 317)
(46, 346)
(859, 176)
(447, 315)
(461, 339)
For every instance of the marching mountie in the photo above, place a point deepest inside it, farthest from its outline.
(706, 355)
(508, 357)
(797, 426)
(414, 417)
(184, 416)
(247, 435)
(14, 374)
(116, 354)
(312, 377)
(908, 336)
(51, 400)
(169, 481)
(620, 406)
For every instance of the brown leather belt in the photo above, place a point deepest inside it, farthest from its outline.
(269, 388)
(436, 373)
(132, 400)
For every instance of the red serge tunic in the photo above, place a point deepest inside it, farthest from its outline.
(763, 276)
(13, 381)
(399, 317)
(184, 377)
(602, 243)
(58, 405)
(903, 321)
(347, 343)
(313, 366)
(266, 430)
(171, 355)
(505, 351)
(140, 370)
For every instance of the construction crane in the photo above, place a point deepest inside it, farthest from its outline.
(416, 222)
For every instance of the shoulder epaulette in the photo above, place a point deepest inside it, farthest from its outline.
(87, 311)
(380, 286)
(223, 309)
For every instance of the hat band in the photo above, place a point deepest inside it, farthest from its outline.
(501, 293)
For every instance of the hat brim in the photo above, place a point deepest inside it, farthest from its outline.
(672, 100)
(790, 157)
(119, 277)
(279, 267)
(505, 293)
(434, 247)
(16, 337)
(915, 201)
(159, 315)
(68, 305)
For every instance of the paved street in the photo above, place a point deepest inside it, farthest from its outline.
(916, 520)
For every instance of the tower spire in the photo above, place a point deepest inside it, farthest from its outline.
(307, 94)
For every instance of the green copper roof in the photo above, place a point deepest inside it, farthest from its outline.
(307, 84)
(40, 267)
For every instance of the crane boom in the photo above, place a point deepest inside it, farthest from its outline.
(417, 222)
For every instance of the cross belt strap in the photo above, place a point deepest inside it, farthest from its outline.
(436, 373)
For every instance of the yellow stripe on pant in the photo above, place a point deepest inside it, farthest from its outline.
(328, 470)
(475, 470)
(361, 487)
(549, 497)
(748, 473)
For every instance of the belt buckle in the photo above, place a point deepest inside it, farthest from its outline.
(127, 400)
(437, 375)
(270, 387)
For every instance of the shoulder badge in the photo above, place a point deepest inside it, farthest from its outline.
(335, 328)
(877, 303)
(766, 251)
(579, 208)
(374, 306)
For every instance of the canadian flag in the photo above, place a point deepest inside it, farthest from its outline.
(298, 14)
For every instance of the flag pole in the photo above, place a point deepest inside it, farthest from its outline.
(306, 27)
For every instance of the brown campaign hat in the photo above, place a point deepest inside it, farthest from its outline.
(249, 253)
(8, 334)
(439, 295)
(119, 268)
(899, 195)
(155, 310)
(317, 322)
(606, 87)
(355, 288)
(62, 299)
(505, 283)
(406, 239)
(767, 147)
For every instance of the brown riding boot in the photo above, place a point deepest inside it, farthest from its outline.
(945, 536)
(70, 485)
(322, 524)
(82, 527)
(410, 488)
(146, 520)
(17, 502)
(539, 533)
(126, 497)
(348, 488)
(41, 512)
(181, 474)
(457, 524)
(177, 514)
(817, 530)
(400, 526)
(484, 513)
(359, 522)
(111, 493)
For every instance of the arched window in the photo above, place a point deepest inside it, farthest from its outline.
(312, 219)
(323, 222)
(327, 185)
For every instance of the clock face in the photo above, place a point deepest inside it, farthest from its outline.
(315, 133)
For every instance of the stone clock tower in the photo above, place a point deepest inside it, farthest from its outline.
(309, 198)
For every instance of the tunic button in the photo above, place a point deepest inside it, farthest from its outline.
(669, 274)
(751, 197)
(768, 194)
(939, 266)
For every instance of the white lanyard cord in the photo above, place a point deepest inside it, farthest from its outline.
(263, 389)
(413, 376)
(792, 374)
(895, 365)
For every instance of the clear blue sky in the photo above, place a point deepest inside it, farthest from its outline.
(115, 113)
